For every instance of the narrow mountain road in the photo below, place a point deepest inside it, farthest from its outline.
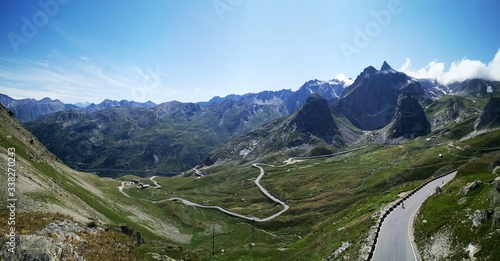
(120, 188)
(154, 181)
(395, 241)
(257, 182)
(251, 218)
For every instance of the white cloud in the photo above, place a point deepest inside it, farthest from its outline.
(17, 93)
(458, 71)
(342, 77)
(81, 79)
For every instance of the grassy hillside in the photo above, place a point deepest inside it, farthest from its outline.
(48, 191)
(332, 200)
(456, 224)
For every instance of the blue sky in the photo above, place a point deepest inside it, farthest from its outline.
(190, 51)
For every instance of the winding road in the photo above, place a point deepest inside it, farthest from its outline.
(257, 182)
(251, 218)
(395, 241)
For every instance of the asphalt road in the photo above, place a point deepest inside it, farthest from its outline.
(251, 218)
(396, 234)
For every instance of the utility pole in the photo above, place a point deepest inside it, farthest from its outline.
(253, 232)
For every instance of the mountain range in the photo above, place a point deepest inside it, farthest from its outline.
(126, 137)
(118, 137)
(337, 161)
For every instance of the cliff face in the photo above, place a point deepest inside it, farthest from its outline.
(490, 116)
(370, 102)
(316, 119)
(409, 119)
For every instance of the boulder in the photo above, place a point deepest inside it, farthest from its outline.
(156, 256)
(479, 218)
(470, 186)
(32, 248)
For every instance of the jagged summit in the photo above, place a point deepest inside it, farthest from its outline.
(369, 70)
(410, 120)
(315, 118)
(370, 102)
(386, 67)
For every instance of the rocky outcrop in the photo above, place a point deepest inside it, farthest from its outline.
(311, 130)
(495, 194)
(57, 240)
(136, 236)
(490, 116)
(470, 186)
(33, 248)
(440, 246)
(158, 257)
(315, 118)
(450, 113)
(409, 120)
(480, 217)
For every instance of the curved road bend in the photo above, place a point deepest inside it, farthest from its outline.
(257, 182)
(396, 234)
(154, 181)
(251, 218)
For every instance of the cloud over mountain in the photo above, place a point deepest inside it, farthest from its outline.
(458, 70)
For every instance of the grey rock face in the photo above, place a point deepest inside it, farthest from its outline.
(409, 120)
(490, 116)
(33, 248)
(496, 218)
(315, 118)
(370, 102)
(479, 218)
(470, 186)
(47, 244)
(495, 194)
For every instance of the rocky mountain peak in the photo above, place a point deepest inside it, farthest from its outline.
(386, 67)
(409, 120)
(369, 70)
(47, 99)
(315, 118)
